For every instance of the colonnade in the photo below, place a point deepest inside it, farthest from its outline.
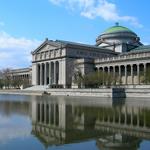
(48, 113)
(127, 74)
(51, 114)
(125, 116)
(48, 73)
(21, 76)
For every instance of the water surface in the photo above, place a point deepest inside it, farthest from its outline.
(70, 123)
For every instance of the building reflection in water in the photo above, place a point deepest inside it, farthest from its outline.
(113, 126)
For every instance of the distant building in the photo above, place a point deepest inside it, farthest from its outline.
(118, 50)
(24, 74)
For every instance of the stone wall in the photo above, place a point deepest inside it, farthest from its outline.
(137, 92)
(106, 92)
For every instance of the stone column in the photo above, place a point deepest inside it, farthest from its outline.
(132, 74)
(50, 77)
(109, 70)
(57, 72)
(60, 73)
(41, 113)
(113, 74)
(120, 80)
(132, 116)
(103, 71)
(125, 119)
(54, 72)
(45, 110)
(138, 117)
(125, 69)
(145, 73)
(45, 81)
(144, 119)
(114, 71)
(54, 114)
(138, 73)
(49, 114)
(41, 74)
(37, 113)
(103, 116)
(119, 116)
(114, 117)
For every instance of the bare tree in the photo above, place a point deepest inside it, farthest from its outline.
(5, 76)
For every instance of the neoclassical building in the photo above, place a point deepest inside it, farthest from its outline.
(53, 62)
(117, 50)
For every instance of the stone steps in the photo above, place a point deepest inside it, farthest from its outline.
(36, 88)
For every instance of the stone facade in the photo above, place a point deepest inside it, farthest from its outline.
(54, 61)
(119, 39)
(129, 67)
(118, 50)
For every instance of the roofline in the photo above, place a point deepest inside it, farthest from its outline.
(69, 44)
(23, 69)
(45, 42)
(72, 44)
(126, 30)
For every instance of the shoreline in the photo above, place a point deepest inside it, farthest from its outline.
(21, 92)
(103, 92)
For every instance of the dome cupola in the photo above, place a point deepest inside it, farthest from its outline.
(116, 37)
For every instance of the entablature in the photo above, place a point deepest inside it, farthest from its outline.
(124, 57)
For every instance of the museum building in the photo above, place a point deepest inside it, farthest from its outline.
(117, 50)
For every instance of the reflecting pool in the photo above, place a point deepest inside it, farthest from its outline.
(70, 123)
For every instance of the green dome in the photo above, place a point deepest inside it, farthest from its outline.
(116, 29)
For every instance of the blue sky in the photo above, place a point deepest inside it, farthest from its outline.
(24, 24)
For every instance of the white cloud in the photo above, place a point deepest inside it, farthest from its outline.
(15, 52)
(97, 8)
(4, 55)
(8, 41)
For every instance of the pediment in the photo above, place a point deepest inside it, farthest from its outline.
(46, 46)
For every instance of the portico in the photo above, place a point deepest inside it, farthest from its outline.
(48, 73)
(48, 61)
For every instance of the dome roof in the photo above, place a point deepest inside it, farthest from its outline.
(117, 28)
(118, 36)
